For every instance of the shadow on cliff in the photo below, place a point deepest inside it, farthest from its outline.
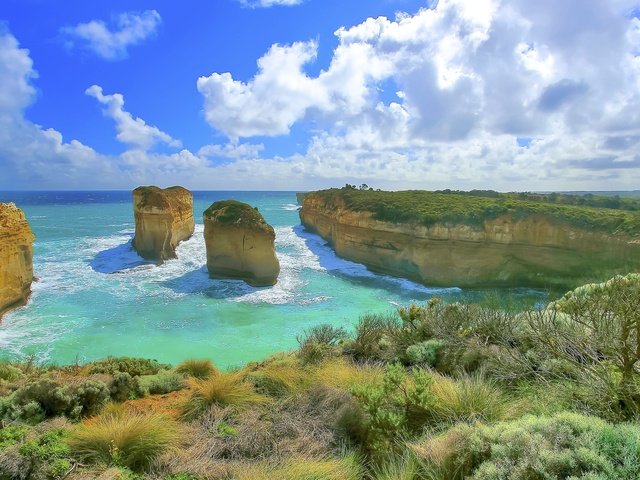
(198, 282)
(118, 259)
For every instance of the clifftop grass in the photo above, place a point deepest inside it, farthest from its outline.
(230, 212)
(473, 208)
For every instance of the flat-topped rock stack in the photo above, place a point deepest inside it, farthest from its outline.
(16, 257)
(164, 218)
(240, 244)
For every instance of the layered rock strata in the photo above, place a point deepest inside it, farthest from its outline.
(164, 218)
(16, 257)
(536, 251)
(240, 244)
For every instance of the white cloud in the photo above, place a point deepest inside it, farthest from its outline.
(131, 131)
(269, 3)
(111, 44)
(431, 100)
(470, 77)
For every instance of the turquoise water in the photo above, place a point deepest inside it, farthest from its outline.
(95, 297)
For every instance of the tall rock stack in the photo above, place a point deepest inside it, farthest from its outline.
(240, 244)
(164, 218)
(16, 257)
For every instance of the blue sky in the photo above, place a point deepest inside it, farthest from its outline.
(303, 94)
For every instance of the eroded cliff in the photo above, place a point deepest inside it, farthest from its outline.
(520, 250)
(164, 218)
(16, 257)
(240, 244)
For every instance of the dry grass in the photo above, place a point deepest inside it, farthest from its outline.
(342, 373)
(470, 399)
(301, 468)
(127, 439)
(197, 368)
(278, 379)
(225, 389)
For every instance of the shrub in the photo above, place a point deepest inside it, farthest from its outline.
(11, 435)
(399, 403)
(226, 389)
(124, 387)
(9, 373)
(373, 340)
(424, 352)
(47, 398)
(197, 368)
(41, 456)
(163, 382)
(131, 440)
(319, 342)
(133, 366)
(596, 328)
(324, 334)
(566, 445)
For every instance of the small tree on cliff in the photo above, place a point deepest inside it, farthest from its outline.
(596, 328)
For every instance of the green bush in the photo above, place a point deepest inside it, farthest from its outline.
(45, 456)
(163, 382)
(197, 368)
(124, 387)
(9, 373)
(48, 398)
(401, 402)
(374, 337)
(133, 366)
(12, 434)
(424, 352)
(563, 446)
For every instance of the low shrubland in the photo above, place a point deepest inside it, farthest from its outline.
(434, 391)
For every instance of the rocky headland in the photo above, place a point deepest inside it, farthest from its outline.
(474, 242)
(240, 244)
(164, 218)
(16, 257)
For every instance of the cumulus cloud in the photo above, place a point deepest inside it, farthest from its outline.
(131, 131)
(112, 43)
(440, 97)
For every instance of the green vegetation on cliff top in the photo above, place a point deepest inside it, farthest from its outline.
(609, 214)
(229, 212)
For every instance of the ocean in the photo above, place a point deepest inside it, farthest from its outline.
(95, 297)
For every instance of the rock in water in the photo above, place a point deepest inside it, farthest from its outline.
(16, 256)
(240, 244)
(164, 217)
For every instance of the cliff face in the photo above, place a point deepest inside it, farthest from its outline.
(240, 244)
(534, 251)
(16, 255)
(164, 217)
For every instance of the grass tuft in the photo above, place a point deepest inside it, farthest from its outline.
(131, 440)
(197, 368)
(226, 389)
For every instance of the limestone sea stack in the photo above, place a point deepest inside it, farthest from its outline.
(16, 256)
(240, 244)
(164, 218)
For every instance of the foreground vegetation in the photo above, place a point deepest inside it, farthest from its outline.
(609, 214)
(435, 391)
